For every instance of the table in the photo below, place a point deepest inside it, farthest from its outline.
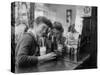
(54, 65)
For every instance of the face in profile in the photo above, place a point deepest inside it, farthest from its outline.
(42, 28)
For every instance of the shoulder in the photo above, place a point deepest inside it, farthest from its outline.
(27, 37)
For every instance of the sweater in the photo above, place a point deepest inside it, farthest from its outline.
(27, 50)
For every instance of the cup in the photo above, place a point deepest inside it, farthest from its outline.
(42, 50)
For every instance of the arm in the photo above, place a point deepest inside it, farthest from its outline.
(24, 59)
(46, 57)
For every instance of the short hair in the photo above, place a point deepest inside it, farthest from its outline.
(58, 26)
(42, 19)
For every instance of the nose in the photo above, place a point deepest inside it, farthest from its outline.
(44, 31)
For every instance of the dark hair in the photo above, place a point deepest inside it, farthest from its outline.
(42, 19)
(72, 28)
(58, 26)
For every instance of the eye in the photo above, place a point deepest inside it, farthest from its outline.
(43, 27)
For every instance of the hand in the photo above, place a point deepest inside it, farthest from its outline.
(59, 50)
(47, 57)
(60, 47)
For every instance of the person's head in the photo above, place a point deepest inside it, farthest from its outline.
(57, 29)
(41, 25)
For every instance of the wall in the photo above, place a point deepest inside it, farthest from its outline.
(58, 13)
(80, 12)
